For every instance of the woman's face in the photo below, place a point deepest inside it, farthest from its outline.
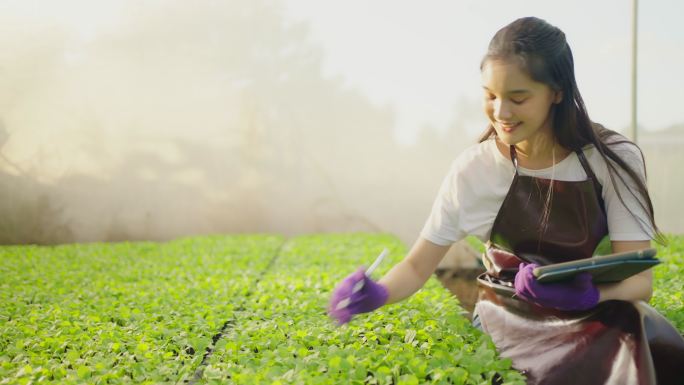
(517, 106)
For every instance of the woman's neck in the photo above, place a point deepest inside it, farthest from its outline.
(539, 145)
(538, 152)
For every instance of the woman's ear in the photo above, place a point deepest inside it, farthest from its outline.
(557, 96)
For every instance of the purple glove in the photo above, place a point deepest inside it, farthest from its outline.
(579, 294)
(371, 296)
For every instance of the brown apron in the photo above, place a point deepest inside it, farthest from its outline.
(617, 342)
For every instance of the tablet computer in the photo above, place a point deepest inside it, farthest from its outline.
(605, 268)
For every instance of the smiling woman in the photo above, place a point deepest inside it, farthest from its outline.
(519, 109)
(544, 185)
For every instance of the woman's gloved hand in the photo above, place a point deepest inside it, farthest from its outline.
(578, 294)
(371, 296)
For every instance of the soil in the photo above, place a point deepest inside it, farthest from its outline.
(462, 284)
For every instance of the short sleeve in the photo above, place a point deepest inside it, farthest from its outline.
(442, 226)
(628, 221)
(470, 195)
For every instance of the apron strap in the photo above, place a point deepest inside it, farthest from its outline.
(583, 160)
(592, 176)
(585, 166)
(514, 158)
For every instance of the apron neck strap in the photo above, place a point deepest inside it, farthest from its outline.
(514, 158)
(585, 165)
(590, 174)
(580, 156)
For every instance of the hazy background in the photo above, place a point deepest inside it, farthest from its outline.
(157, 119)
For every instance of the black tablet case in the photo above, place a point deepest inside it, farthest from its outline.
(606, 268)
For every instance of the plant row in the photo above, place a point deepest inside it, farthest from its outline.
(286, 336)
(120, 313)
(255, 305)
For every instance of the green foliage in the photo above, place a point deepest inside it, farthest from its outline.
(476, 244)
(287, 337)
(668, 282)
(147, 313)
(126, 312)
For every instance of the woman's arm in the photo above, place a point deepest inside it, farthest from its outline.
(409, 275)
(636, 287)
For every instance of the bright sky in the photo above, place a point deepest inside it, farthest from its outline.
(109, 105)
(422, 58)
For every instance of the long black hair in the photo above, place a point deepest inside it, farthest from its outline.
(543, 52)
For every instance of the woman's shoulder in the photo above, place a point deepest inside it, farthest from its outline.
(620, 145)
(481, 164)
(482, 154)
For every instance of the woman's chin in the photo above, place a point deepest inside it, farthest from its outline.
(507, 138)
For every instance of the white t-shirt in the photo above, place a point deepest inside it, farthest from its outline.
(474, 189)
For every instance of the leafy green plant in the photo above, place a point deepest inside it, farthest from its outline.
(668, 282)
(287, 337)
(127, 312)
(147, 313)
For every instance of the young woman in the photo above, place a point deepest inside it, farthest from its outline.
(544, 185)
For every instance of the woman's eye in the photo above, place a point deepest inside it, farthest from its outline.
(518, 101)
